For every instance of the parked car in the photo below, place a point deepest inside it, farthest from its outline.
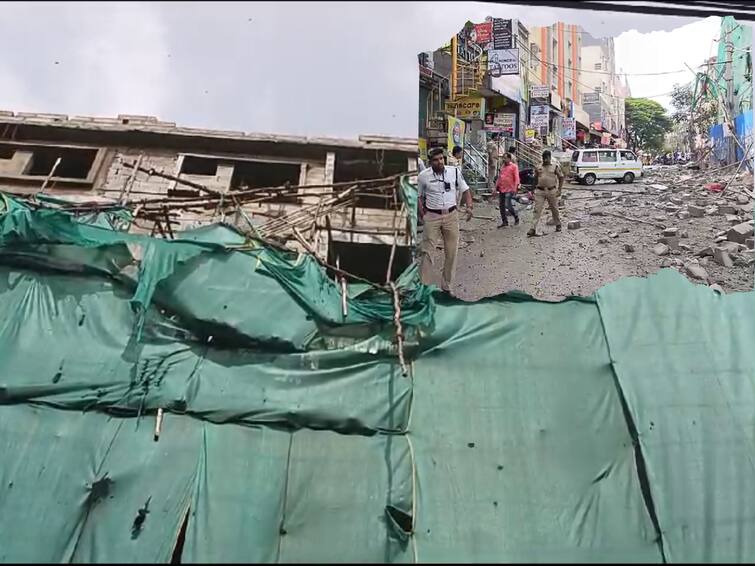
(621, 165)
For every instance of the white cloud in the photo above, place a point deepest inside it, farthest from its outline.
(662, 51)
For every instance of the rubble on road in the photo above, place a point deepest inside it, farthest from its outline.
(711, 212)
(665, 219)
(740, 233)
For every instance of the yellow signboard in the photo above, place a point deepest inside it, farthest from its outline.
(455, 133)
(470, 108)
(422, 143)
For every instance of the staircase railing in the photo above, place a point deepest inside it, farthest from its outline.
(567, 143)
(476, 160)
(527, 155)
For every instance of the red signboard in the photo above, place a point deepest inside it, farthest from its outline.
(483, 33)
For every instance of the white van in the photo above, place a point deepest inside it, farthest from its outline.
(589, 165)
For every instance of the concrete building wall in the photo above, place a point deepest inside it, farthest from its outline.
(599, 75)
(160, 147)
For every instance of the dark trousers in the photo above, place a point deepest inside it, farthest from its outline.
(505, 202)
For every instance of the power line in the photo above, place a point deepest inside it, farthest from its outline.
(612, 73)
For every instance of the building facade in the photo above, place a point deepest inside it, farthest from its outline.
(140, 158)
(503, 78)
(605, 92)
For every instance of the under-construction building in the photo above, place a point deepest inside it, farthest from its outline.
(336, 196)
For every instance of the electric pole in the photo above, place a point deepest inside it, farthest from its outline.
(730, 104)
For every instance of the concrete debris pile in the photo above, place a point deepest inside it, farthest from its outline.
(698, 223)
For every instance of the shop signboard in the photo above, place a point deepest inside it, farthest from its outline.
(504, 123)
(455, 133)
(422, 146)
(503, 62)
(569, 129)
(529, 134)
(605, 139)
(502, 36)
(540, 92)
(470, 108)
(539, 117)
(590, 98)
(482, 34)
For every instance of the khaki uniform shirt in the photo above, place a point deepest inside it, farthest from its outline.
(549, 175)
(494, 154)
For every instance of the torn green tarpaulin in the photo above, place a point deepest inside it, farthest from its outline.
(303, 277)
(509, 442)
(612, 428)
(344, 390)
(409, 197)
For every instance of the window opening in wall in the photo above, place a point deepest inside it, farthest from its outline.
(369, 261)
(362, 167)
(199, 166)
(7, 152)
(74, 163)
(258, 174)
(598, 66)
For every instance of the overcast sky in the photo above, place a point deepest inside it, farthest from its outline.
(335, 69)
(662, 51)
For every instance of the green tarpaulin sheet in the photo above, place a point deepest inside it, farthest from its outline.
(612, 428)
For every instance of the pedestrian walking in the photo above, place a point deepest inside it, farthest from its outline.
(513, 154)
(494, 149)
(548, 182)
(440, 190)
(508, 183)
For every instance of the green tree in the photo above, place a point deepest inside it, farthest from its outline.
(698, 114)
(646, 124)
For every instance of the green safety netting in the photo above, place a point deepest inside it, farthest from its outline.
(612, 428)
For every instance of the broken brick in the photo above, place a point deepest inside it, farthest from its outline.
(661, 249)
(671, 241)
(740, 233)
(696, 211)
(696, 272)
(722, 257)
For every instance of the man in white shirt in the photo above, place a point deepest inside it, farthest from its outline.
(440, 190)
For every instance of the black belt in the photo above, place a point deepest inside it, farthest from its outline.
(449, 211)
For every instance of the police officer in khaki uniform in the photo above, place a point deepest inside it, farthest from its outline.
(549, 179)
(494, 160)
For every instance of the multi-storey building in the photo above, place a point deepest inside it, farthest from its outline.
(556, 54)
(604, 93)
